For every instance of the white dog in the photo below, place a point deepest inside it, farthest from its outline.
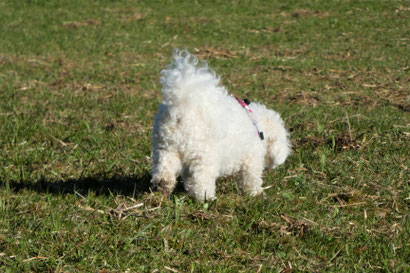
(202, 132)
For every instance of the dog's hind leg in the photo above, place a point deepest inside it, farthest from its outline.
(251, 177)
(166, 167)
(199, 180)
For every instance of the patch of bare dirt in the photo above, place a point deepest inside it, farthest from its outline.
(85, 23)
(291, 227)
(345, 141)
(311, 141)
(304, 98)
(135, 17)
(310, 13)
(210, 52)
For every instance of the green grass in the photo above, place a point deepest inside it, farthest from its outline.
(79, 88)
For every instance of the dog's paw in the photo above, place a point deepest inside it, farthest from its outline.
(162, 186)
(256, 191)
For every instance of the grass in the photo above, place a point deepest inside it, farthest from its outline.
(79, 88)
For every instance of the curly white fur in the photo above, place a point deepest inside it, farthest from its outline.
(201, 133)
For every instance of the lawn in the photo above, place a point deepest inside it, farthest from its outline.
(79, 89)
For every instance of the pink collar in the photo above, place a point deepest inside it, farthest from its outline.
(245, 105)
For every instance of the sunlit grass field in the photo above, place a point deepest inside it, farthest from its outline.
(79, 89)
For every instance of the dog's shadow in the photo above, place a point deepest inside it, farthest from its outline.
(126, 185)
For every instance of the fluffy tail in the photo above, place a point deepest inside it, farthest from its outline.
(186, 77)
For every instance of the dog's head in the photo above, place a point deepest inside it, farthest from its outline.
(277, 139)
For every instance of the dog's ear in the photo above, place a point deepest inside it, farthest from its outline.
(277, 140)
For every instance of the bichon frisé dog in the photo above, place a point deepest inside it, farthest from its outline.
(202, 132)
